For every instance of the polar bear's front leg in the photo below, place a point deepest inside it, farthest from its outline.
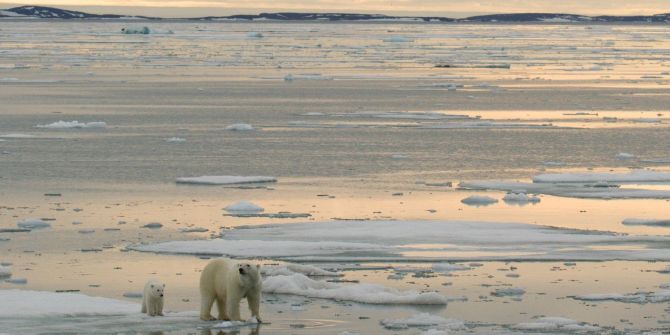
(233, 306)
(144, 305)
(254, 300)
(159, 307)
(207, 300)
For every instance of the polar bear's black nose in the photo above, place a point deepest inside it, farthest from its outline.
(241, 271)
(161, 295)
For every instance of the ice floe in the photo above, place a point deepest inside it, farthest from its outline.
(485, 125)
(398, 39)
(479, 200)
(240, 127)
(508, 291)
(448, 267)
(235, 324)
(555, 324)
(420, 241)
(299, 284)
(17, 136)
(646, 222)
(244, 207)
(33, 224)
(255, 34)
(630, 177)
(72, 124)
(423, 320)
(624, 155)
(175, 140)
(136, 30)
(638, 298)
(567, 189)
(39, 303)
(225, 180)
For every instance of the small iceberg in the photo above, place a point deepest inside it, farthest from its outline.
(33, 224)
(478, 200)
(422, 320)
(136, 30)
(72, 124)
(520, 198)
(240, 127)
(244, 207)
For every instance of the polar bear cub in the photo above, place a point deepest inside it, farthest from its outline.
(227, 283)
(152, 299)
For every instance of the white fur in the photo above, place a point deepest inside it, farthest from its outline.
(227, 283)
(152, 300)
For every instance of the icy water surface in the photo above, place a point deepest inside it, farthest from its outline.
(359, 126)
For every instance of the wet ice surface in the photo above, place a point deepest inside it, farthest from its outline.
(358, 129)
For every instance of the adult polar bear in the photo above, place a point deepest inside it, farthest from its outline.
(227, 282)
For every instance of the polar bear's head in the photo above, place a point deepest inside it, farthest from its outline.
(157, 290)
(249, 274)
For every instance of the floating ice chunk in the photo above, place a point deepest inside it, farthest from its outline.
(299, 284)
(398, 39)
(555, 323)
(550, 163)
(255, 34)
(153, 225)
(520, 198)
(647, 120)
(244, 207)
(478, 200)
(225, 180)
(638, 298)
(423, 320)
(624, 155)
(72, 124)
(630, 177)
(17, 281)
(133, 295)
(20, 303)
(508, 291)
(33, 224)
(568, 188)
(399, 157)
(194, 230)
(646, 222)
(435, 332)
(136, 30)
(447, 267)
(234, 324)
(291, 268)
(175, 140)
(240, 127)
(5, 271)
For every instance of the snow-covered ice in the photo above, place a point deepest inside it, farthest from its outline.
(448, 267)
(5, 271)
(235, 324)
(17, 136)
(72, 124)
(244, 206)
(567, 189)
(226, 180)
(508, 291)
(33, 224)
(175, 140)
(624, 156)
(639, 297)
(291, 268)
(299, 284)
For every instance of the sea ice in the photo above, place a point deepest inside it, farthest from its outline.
(299, 284)
(5, 271)
(136, 30)
(478, 200)
(240, 127)
(398, 39)
(20, 303)
(569, 188)
(17, 136)
(555, 324)
(508, 291)
(624, 155)
(225, 180)
(175, 140)
(244, 207)
(646, 222)
(235, 324)
(630, 177)
(448, 267)
(72, 124)
(255, 34)
(405, 240)
(423, 320)
(33, 224)
(639, 297)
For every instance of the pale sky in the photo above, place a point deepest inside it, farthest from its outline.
(450, 8)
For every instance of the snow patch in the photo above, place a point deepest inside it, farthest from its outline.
(244, 207)
(292, 268)
(20, 303)
(630, 177)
